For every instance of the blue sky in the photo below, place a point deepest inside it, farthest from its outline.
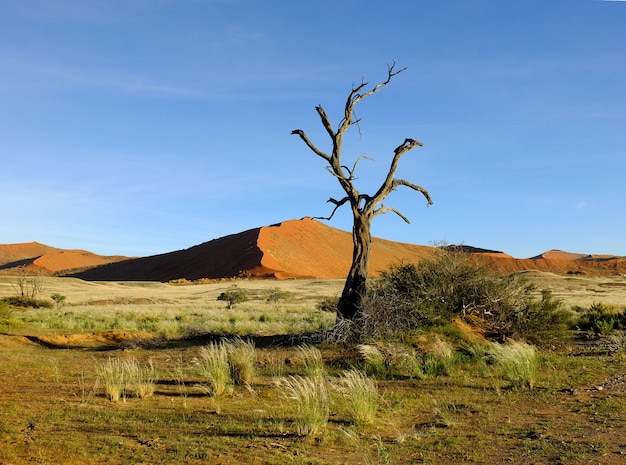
(139, 127)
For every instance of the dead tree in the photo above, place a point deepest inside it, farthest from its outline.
(364, 207)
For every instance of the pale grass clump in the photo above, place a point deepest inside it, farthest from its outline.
(140, 379)
(111, 374)
(312, 361)
(381, 361)
(126, 378)
(212, 362)
(242, 361)
(275, 365)
(518, 361)
(312, 398)
(360, 394)
(445, 353)
(374, 358)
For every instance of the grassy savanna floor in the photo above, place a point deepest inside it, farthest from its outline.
(173, 311)
(52, 412)
(53, 409)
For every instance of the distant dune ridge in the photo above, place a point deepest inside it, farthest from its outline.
(48, 260)
(293, 249)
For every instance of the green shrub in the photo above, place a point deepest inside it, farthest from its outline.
(601, 318)
(542, 322)
(5, 311)
(233, 295)
(620, 319)
(604, 326)
(276, 295)
(27, 302)
(447, 285)
(430, 366)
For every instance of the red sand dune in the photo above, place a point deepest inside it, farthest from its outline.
(15, 252)
(293, 249)
(307, 248)
(303, 248)
(48, 260)
(71, 259)
(560, 255)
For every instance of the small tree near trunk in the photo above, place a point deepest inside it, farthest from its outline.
(364, 207)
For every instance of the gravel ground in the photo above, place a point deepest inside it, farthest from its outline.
(613, 344)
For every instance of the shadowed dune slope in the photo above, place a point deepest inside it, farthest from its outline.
(225, 257)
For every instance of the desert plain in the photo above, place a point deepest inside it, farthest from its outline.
(54, 409)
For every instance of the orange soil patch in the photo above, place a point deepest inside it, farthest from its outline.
(94, 340)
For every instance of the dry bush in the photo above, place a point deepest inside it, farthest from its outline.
(455, 284)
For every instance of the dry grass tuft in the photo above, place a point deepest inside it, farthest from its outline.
(312, 398)
(242, 360)
(124, 378)
(360, 394)
(519, 363)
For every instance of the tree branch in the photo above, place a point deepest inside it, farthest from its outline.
(387, 186)
(310, 144)
(415, 187)
(338, 203)
(325, 121)
(382, 210)
(351, 171)
(356, 96)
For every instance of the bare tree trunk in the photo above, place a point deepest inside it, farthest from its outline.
(356, 283)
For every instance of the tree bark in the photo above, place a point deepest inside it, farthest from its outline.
(356, 283)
